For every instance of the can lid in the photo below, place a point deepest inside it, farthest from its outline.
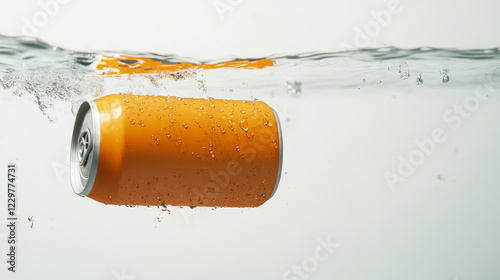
(280, 135)
(84, 152)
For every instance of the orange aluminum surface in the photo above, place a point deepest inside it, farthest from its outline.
(158, 150)
(131, 65)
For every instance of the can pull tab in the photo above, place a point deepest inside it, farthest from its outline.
(85, 145)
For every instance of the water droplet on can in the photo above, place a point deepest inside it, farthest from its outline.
(244, 125)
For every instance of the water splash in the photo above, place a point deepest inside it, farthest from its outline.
(29, 67)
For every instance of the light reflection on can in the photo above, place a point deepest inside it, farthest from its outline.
(157, 150)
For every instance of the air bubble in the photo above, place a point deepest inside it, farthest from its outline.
(294, 88)
(419, 79)
(404, 71)
(445, 78)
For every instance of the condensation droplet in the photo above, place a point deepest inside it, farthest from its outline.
(244, 125)
(184, 125)
(132, 121)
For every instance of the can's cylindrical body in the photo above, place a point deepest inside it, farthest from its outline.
(156, 150)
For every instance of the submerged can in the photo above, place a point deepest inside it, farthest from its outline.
(156, 150)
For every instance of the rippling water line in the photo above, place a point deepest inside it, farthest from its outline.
(49, 74)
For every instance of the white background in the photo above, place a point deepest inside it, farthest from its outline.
(196, 28)
(441, 224)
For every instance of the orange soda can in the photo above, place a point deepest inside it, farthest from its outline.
(157, 150)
